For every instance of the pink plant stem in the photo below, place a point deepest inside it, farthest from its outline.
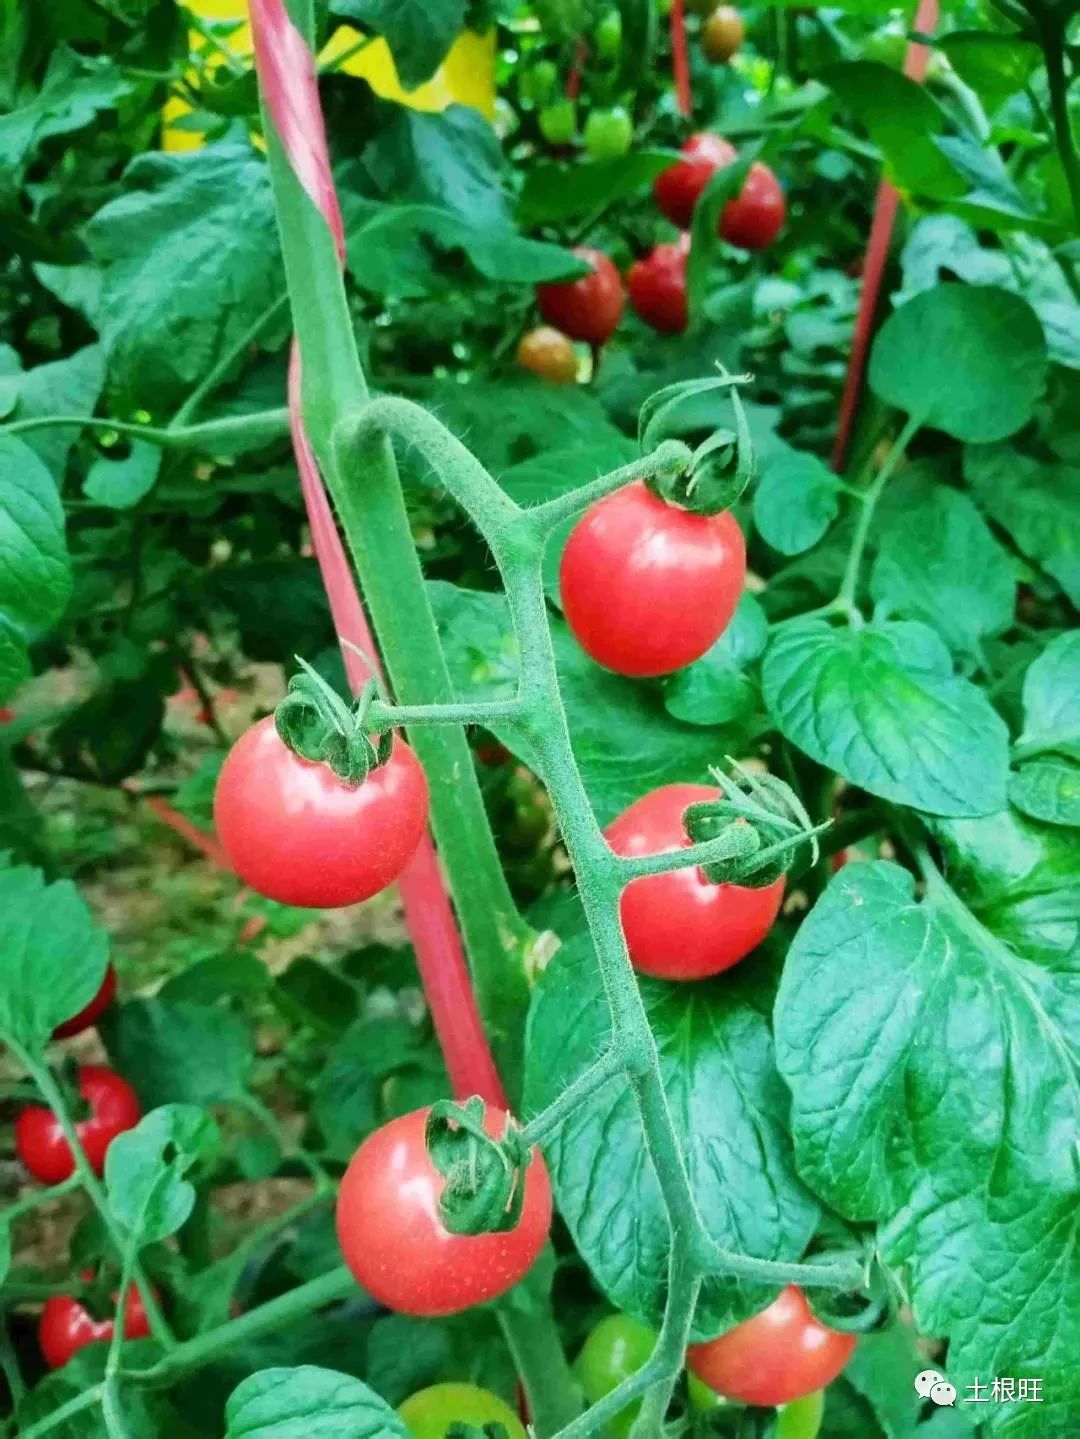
(877, 255)
(680, 59)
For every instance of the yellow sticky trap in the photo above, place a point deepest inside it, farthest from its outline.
(466, 76)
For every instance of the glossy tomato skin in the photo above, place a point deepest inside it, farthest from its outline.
(394, 1241)
(646, 586)
(678, 925)
(429, 1413)
(587, 309)
(657, 287)
(677, 188)
(780, 1355)
(722, 34)
(92, 1012)
(40, 1142)
(756, 216)
(298, 834)
(66, 1326)
(616, 1348)
(548, 353)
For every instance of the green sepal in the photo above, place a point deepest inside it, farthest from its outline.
(720, 467)
(314, 722)
(765, 823)
(485, 1177)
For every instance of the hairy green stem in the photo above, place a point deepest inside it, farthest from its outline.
(253, 430)
(849, 588)
(584, 1087)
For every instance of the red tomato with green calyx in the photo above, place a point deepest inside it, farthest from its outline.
(657, 287)
(587, 309)
(40, 1142)
(297, 833)
(393, 1238)
(648, 587)
(429, 1413)
(676, 189)
(679, 925)
(92, 1012)
(752, 220)
(756, 216)
(66, 1326)
(780, 1355)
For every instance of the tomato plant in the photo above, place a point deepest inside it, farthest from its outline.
(44, 1148)
(66, 1326)
(722, 34)
(92, 1012)
(614, 1351)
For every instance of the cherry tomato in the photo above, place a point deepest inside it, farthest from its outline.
(646, 586)
(558, 122)
(704, 1400)
(92, 1012)
(429, 1413)
(40, 1142)
(394, 1241)
(615, 1349)
(548, 353)
(657, 287)
(722, 34)
(66, 1326)
(538, 82)
(801, 1419)
(677, 188)
(609, 133)
(756, 215)
(678, 925)
(587, 309)
(297, 833)
(780, 1355)
(607, 36)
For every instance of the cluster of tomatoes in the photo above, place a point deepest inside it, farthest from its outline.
(589, 309)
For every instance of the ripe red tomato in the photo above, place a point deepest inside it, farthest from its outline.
(756, 216)
(40, 1142)
(677, 188)
(646, 586)
(678, 925)
(548, 353)
(780, 1355)
(91, 1012)
(657, 286)
(66, 1326)
(587, 309)
(298, 834)
(394, 1241)
(722, 34)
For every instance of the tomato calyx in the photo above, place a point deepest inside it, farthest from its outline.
(485, 1177)
(314, 722)
(722, 463)
(759, 825)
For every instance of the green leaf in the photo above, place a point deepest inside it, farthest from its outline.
(938, 562)
(1036, 503)
(65, 387)
(453, 160)
(307, 1402)
(934, 1087)
(714, 690)
(718, 1069)
(1048, 788)
(1052, 698)
(54, 956)
(624, 741)
(5, 1249)
(168, 311)
(795, 502)
(419, 32)
(35, 580)
(145, 1168)
(881, 706)
(969, 360)
(176, 1051)
(120, 484)
(994, 66)
(555, 191)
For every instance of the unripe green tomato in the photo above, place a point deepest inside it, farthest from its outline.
(538, 82)
(429, 1413)
(887, 46)
(609, 133)
(615, 1349)
(704, 1400)
(608, 35)
(558, 122)
(801, 1419)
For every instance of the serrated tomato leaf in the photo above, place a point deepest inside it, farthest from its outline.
(145, 1170)
(307, 1401)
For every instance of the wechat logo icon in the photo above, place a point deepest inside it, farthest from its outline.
(935, 1387)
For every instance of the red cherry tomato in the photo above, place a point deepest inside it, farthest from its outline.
(677, 189)
(678, 925)
(587, 309)
(394, 1241)
(298, 834)
(657, 287)
(756, 216)
(722, 34)
(40, 1142)
(548, 353)
(66, 1326)
(92, 1012)
(646, 586)
(780, 1355)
